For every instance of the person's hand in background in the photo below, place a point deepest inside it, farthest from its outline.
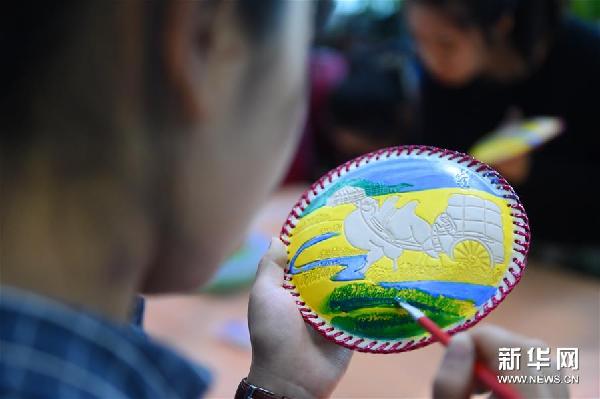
(516, 169)
(455, 377)
(288, 357)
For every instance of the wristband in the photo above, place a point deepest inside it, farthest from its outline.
(248, 391)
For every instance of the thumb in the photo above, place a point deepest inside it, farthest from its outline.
(454, 379)
(271, 266)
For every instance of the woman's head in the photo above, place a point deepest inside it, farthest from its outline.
(156, 128)
(459, 40)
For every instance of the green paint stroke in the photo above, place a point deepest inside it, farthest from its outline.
(372, 189)
(389, 325)
(371, 311)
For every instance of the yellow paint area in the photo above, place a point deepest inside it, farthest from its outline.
(469, 262)
(500, 148)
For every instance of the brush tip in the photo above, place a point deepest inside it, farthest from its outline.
(413, 311)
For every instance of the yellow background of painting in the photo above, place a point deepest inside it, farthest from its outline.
(315, 285)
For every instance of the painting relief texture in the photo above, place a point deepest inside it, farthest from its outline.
(446, 236)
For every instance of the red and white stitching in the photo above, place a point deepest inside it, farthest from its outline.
(511, 277)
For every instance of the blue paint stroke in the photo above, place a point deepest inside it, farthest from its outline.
(407, 175)
(353, 270)
(422, 174)
(450, 289)
(308, 244)
(351, 264)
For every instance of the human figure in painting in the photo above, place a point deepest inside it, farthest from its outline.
(387, 230)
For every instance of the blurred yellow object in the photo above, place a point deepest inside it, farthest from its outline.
(516, 139)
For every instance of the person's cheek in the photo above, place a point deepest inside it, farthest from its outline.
(462, 65)
(473, 57)
(434, 61)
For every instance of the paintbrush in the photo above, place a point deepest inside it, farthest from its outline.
(483, 374)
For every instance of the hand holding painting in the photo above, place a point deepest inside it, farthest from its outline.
(432, 228)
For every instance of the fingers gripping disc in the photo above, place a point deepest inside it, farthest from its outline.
(436, 228)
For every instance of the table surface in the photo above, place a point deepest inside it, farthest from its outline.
(560, 307)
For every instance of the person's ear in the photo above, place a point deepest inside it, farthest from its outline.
(195, 36)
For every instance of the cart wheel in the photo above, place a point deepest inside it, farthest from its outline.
(472, 254)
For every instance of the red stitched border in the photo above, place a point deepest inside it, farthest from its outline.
(521, 242)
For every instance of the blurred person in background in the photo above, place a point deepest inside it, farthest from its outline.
(327, 67)
(482, 60)
(365, 112)
(356, 106)
(137, 140)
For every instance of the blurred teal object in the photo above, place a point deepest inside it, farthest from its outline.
(239, 270)
(586, 9)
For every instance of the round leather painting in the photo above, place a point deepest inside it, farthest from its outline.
(433, 228)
